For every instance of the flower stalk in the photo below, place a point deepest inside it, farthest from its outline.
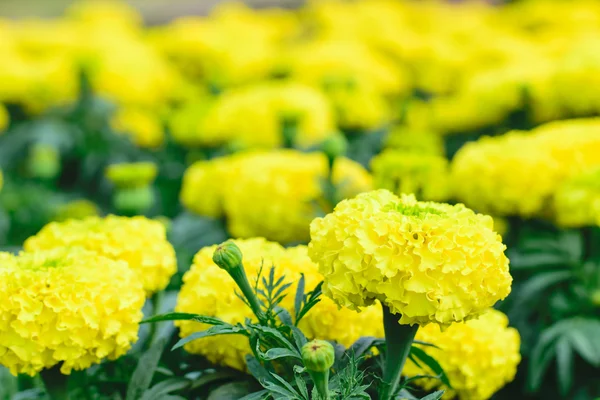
(318, 357)
(398, 340)
(228, 256)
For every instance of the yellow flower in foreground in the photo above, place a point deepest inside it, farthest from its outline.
(479, 356)
(209, 290)
(274, 195)
(66, 306)
(132, 174)
(142, 126)
(428, 262)
(426, 176)
(518, 173)
(577, 200)
(138, 241)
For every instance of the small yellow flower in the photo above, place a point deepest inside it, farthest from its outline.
(428, 262)
(142, 126)
(66, 307)
(138, 241)
(577, 200)
(479, 356)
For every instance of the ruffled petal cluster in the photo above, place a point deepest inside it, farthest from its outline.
(518, 173)
(428, 262)
(138, 241)
(209, 290)
(479, 356)
(425, 176)
(66, 307)
(577, 200)
(273, 195)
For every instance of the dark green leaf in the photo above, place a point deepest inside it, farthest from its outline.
(175, 316)
(537, 260)
(564, 364)
(213, 331)
(361, 346)
(284, 316)
(431, 363)
(256, 395)
(164, 388)
(230, 391)
(257, 370)
(585, 339)
(273, 354)
(535, 285)
(434, 396)
(144, 371)
(274, 334)
(299, 296)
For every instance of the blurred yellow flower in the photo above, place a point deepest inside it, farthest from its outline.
(144, 127)
(209, 290)
(479, 356)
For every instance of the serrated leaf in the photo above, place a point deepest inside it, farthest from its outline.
(164, 388)
(299, 296)
(284, 316)
(275, 334)
(213, 331)
(144, 371)
(434, 396)
(177, 316)
(564, 364)
(273, 354)
(431, 363)
(257, 370)
(256, 395)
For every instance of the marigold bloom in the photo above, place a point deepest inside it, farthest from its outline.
(427, 176)
(209, 290)
(428, 262)
(139, 241)
(144, 127)
(479, 356)
(518, 173)
(577, 200)
(66, 307)
(274, 195)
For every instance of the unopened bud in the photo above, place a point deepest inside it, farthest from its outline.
(318, 355)
(228, 256)
(335, 146)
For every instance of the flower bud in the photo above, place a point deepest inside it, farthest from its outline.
(318, 355)
(228, 256)
(44, 161)
(133, 200)
(335, 146)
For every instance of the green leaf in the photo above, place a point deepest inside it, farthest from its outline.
(274, 334)
(585, 341)
(176, 316)
(284, 316)
(230, 391)
(210, 378)
(256, 395)
(361, 346)
(164, 388)
(8, 384)
(144, 371)
(537, 260)
(299, 337)
(434, 396)
(432, 363)
(535, 285)
(564, 364)
(257, 370)
(299, 297)
(425, 344)
(213, 331)
(284, 384)
(273, 354)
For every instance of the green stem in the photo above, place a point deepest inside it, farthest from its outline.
(57, 384)
(321, 380)
(239, 276)
(156, 301)
(398, 340)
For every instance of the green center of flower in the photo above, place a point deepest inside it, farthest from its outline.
(417, 210)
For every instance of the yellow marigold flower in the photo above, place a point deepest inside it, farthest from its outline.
(235, 117)
(408, 140)
(357, 108)
(138, 174)
(428, 262)
(76, 209)
(139, 241)
(426, 176)
(479, 356)
(501, 225)
(142, 126)
(272, 194)
(518, 173)
(66, 306)
(577, 200)
(209, 290)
